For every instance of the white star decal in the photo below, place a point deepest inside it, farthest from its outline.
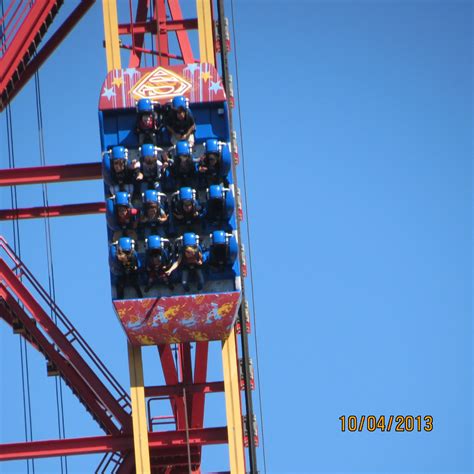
(108, 92)
(192, 67)
(215, 86)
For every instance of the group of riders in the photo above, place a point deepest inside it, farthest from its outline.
(153, 193)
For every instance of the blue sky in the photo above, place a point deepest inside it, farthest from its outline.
(357, 119)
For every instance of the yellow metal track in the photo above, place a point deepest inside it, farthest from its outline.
(233, 405)
(112, 45)
(139, 417)
(205, 28)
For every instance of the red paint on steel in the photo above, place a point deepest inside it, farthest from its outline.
(171, 378)
(73, 377)
(138, 37)
(161, 40)
(109, 443)
(200, 373)
(50, 46)
(70, 353)
(22, 41)
(183, 37)
(150, 26)
(184, 357)
(50, 174)
(53, 211)
(174, 390)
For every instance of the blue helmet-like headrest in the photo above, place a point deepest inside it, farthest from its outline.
(219, 237)
(125, 244)
(122, 199)
(118, 153)
(144, 105)
(179, 101)
(212, 146)
(185, 194)
(154, 242)
(151, 196)
(189, 239)
(215, 191)
(148, 150)
(182, 148)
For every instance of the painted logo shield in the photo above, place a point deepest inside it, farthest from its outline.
(160, 84)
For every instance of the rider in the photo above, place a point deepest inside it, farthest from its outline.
(184, 169)
(190, 261)
(154, 212)
(210, 163)
(124, 217)
(148, 171)
(180, 121)
(120, 172)
(148, 123)
(125, 266)
(158, 262)
(185, 207)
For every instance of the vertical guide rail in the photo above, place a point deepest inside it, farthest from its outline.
(139, 418)
(112, 45)
(229, 347)
(243, 335)
(205, 29)
(137, 391)
(232, 405)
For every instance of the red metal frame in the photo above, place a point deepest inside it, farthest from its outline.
(170, 390)
(110, 443)
(50, 174)
(52, 211)
(16, 289)
(23, 39)
(78, 383)
(46, 51)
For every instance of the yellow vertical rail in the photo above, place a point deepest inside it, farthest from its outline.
(135, 365)
(233, 405)
(139, 418)
(112, 45)
(205, 28)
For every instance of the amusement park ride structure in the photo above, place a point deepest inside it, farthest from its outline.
(130, 442)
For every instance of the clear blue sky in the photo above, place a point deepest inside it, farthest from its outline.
(357, 121)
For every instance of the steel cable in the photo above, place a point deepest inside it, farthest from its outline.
(247, 226)
(50, 263)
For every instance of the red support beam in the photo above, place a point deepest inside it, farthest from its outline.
(177, 390)
(150, 26)
(162, 35)
(110, 443)
(138, 37)
(200, 374)
(50, 174)
(171, 378)
(23, 39)
(50, 46)
(16, 288)
(52, 211)
(74, 379)
(149, 51)
(183, 38)
(186, 378)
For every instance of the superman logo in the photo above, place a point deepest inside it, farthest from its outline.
(160, 84)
